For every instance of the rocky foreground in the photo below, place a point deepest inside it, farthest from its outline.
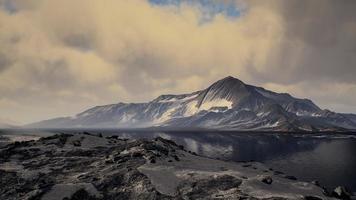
(86, 166)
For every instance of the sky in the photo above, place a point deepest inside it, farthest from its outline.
(61, 57)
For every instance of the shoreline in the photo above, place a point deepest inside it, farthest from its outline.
(165, 167)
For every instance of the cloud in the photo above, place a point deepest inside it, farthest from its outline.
(61, 57)
(318, 42)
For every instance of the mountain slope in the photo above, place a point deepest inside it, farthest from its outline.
(5, 123)
(227, 104)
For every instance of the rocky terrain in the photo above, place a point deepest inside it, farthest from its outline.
(10, 138)
(86, 166)
(228, 104)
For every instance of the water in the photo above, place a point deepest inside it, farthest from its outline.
(328, 158)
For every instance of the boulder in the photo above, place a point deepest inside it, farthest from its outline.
(267, 180)
(341, 193)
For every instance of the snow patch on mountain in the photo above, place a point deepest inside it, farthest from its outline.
(216, 103)
(165, 116)
(191, 108)
(177, 100)
(262, 114)
(127, 118)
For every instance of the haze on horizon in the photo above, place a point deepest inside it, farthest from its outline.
(60, 57)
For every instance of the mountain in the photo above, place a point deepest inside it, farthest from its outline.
(5, 123)
(228, 104)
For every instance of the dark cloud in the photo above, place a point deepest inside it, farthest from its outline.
(80, 41)
(5, 62)
(318, 44)
(320, 23)
(51, 74)
(14, 6)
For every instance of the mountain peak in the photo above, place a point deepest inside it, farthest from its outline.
(230, 78)
(229, 88)
(229, 82)
(228, 104)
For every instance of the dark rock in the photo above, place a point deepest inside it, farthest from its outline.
(169, 142)
(267, 180)
(82, 194)
(58, 140)
(155, 147)
(176, 158)
(136, 154)
(76, 143)
(312, 198)
(112, 137)
(204, 188)
(109, 161)
(290, 177)
(121, 159)
(326, 192)
(316, 183)
(223, 168)
(80, 152)
(277, 173)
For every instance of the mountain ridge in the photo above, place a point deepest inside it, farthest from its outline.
(227, 104)
(6, 123)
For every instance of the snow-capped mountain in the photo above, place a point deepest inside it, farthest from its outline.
(227, 104)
